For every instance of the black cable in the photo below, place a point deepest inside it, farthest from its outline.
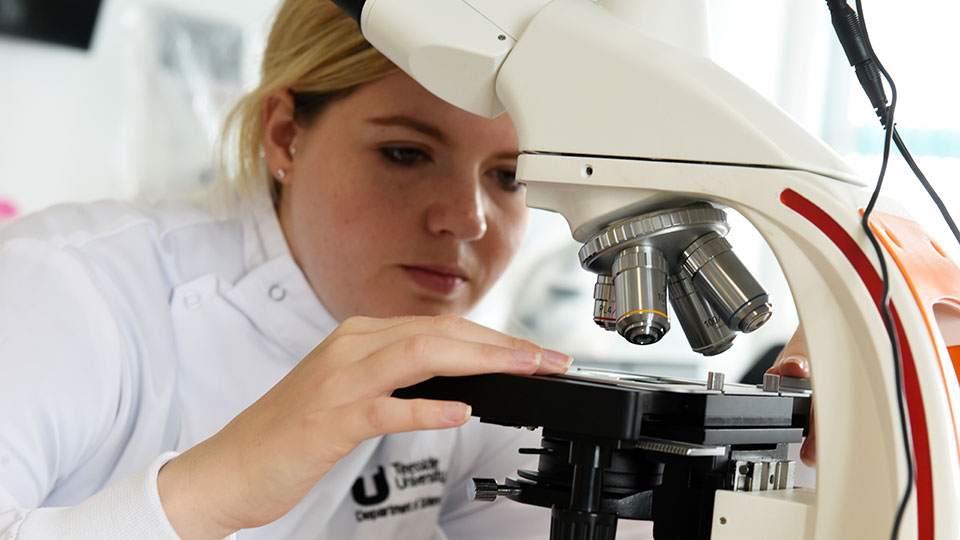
(926, 184)
(856, 46)
(852, 31)
(887, 119)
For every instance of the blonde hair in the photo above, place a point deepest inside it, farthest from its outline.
(314, 50)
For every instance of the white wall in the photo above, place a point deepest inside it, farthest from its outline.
(788, 52)
(61, 109)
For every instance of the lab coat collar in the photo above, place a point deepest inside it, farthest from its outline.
(264, 239)
(274, 293)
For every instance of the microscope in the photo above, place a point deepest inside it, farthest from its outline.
(640, 141)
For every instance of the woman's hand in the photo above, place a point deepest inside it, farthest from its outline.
(792, 362)
(258, 467)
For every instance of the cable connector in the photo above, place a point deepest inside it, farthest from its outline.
(847, 27)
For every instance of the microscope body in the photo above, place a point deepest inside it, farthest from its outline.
(620, 113)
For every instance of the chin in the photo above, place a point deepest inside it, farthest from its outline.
(433, 307)
(413, 306)
(432, 310)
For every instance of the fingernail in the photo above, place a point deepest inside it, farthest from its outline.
(456, 412)
(800, 362)
(557, 359)
(527, 357)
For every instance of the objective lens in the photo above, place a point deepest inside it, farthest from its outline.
(705, 332)
(720, 277)
(640, 284)
(604, 306)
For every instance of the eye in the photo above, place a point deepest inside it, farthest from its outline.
(508, 180)
(402, 155)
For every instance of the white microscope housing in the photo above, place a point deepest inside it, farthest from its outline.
(621, 115)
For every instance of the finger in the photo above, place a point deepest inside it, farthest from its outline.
(380, 336)
(379, 416)
(792, 360)
(553, 362)
(358, 336)
(794, 347)
(422, 356)
(808, 451)
(794, 366)
(453, 326)
(349, 340)
(366, 325)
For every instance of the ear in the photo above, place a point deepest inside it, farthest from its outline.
(280, 132)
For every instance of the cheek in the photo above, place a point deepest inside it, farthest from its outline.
(505, 233)
(356, 210)
(359, 229)
(344, 198)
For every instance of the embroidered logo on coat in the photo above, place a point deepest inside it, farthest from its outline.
(417, 476)
(418, 473)
(382, 490)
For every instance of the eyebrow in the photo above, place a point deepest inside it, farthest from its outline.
(412, 123)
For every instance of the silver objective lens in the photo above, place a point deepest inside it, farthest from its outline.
(604, 304)
(640, 282)
(720, 277)
(705, 332)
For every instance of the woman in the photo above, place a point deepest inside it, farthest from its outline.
(184, 340)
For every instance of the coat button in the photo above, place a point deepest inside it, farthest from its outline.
(277, 293)
(191, 299)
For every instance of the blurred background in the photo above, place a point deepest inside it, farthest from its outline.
(124, 98)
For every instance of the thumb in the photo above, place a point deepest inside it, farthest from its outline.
(792, 360)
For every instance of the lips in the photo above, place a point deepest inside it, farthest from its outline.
(441, 279)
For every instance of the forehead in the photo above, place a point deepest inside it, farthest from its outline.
(398, 95)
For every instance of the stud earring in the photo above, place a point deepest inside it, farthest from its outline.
(293, 150)
(280, 174)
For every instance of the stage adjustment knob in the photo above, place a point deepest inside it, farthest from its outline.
(487, 489)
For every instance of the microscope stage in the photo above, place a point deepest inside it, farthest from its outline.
(628, 407)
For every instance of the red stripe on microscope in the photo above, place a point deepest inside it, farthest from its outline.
(871, 279)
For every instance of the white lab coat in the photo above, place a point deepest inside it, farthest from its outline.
(130, 333)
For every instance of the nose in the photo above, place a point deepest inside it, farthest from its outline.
(458, 209)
